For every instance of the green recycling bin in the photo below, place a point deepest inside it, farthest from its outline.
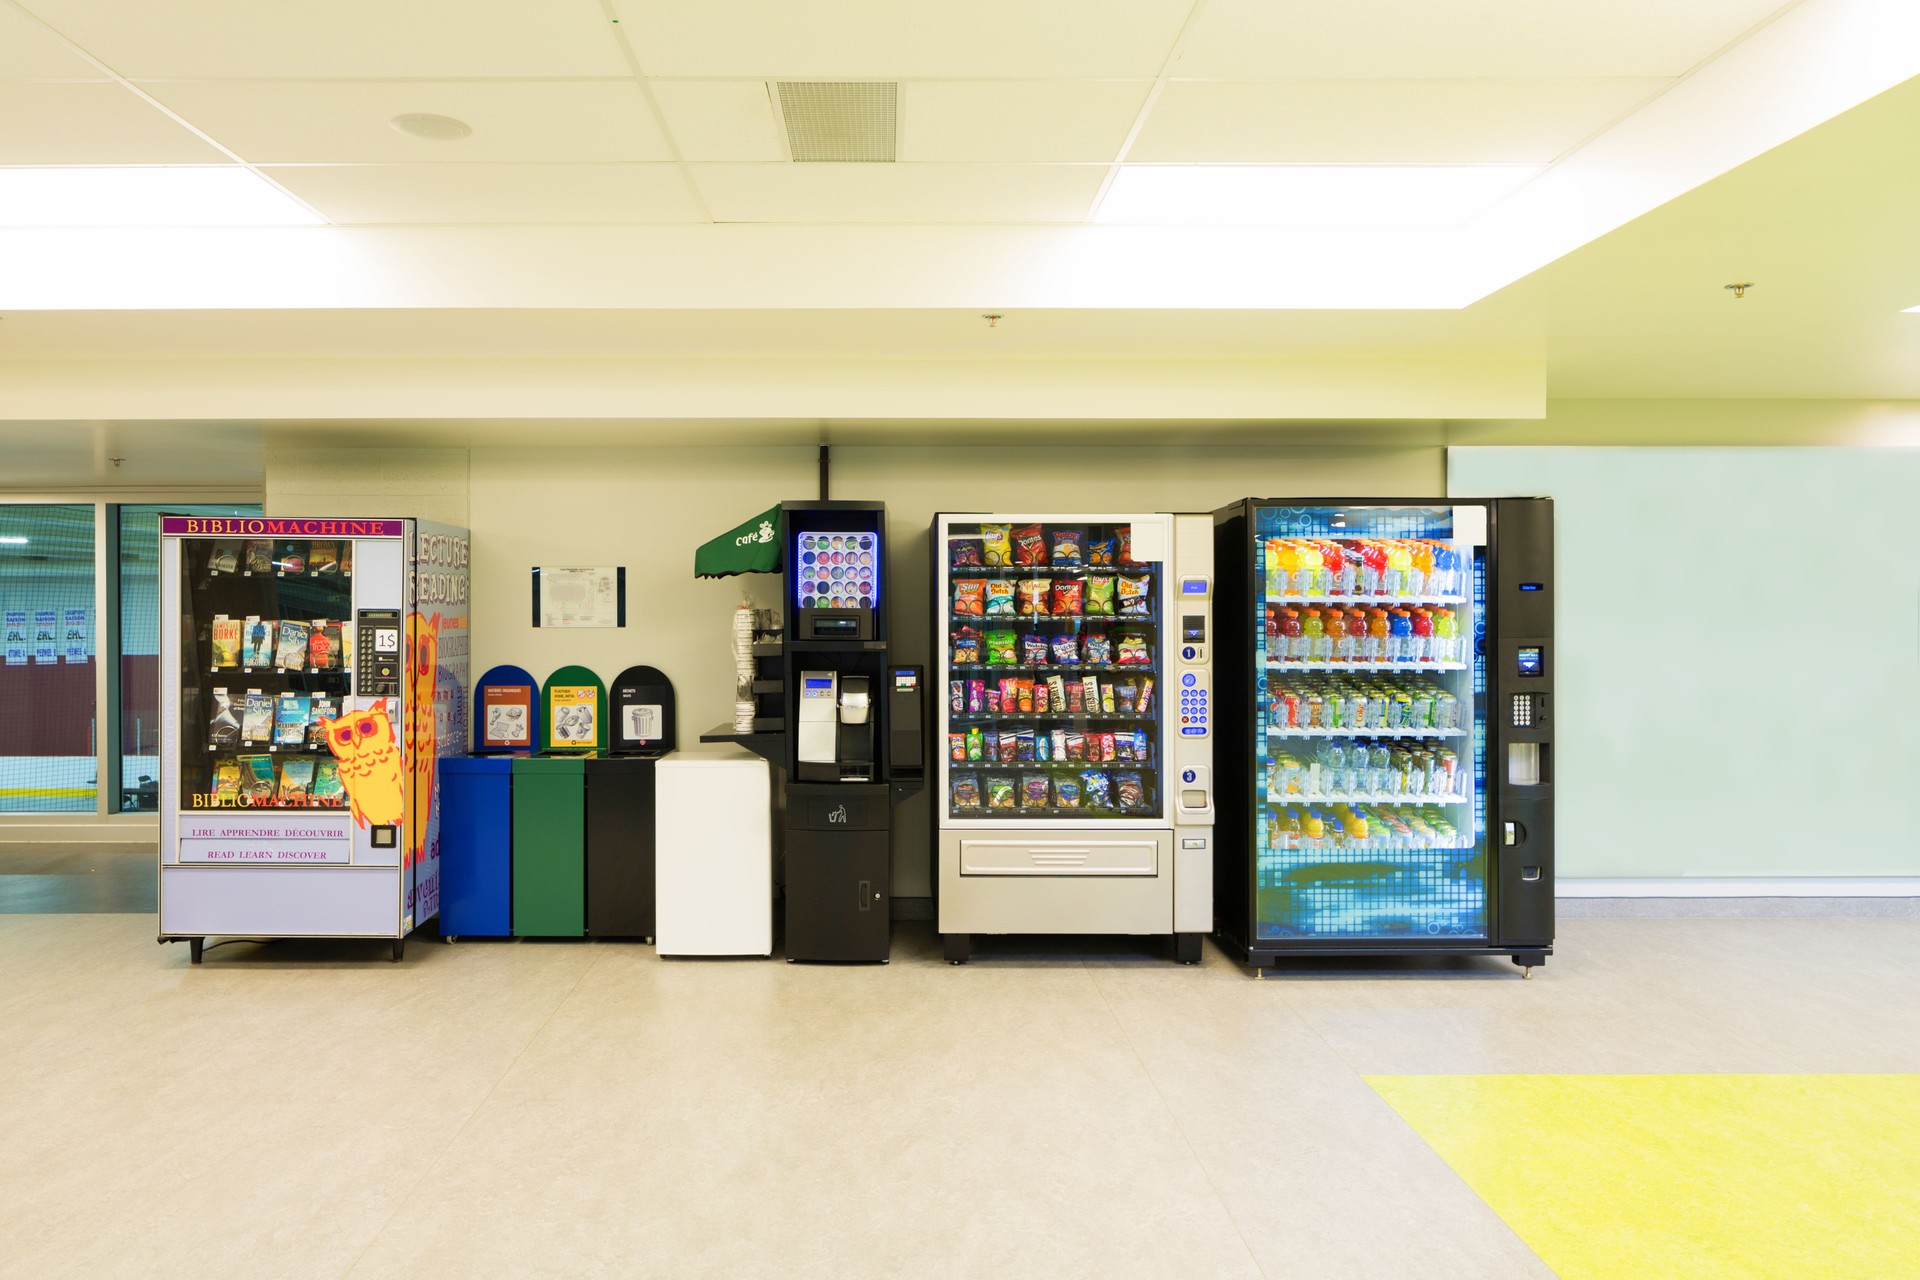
(549, 847)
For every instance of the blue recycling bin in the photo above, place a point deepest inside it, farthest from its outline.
(476, 846)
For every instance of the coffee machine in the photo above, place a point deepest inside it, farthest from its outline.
(856, 747)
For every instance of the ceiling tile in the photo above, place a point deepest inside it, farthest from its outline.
(895, 39)
(1418, 39)
(66, 123)
(1380, 121)
(493, 193)
(418, 39)
(305, 122)
(28, 51)
(720, 119)
(908, 193)
(1017, 120)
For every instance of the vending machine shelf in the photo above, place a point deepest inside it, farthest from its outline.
(1369, 732)
(1287, 664)
(1366, 797)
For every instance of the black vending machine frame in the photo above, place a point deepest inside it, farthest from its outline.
(1519, 839)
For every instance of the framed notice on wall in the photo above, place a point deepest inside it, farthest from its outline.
(594, 597)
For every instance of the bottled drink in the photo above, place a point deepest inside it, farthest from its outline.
(1292, 647)
(1313, 627)
(1376, 640)
(1310, 569)
(1335, 621)
(1422, 650)
(1421, 581)
(1399, 569)
(1445, 636)
(1350, 574)
(1373, 563)
(1399, 636)
(1379, 765)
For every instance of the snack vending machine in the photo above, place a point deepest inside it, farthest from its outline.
(1076, 726)
(1386, 688)
(313, 673)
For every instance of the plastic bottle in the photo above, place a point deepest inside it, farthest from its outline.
(1307, 579)
(1399, 570)
(1313, 629)
(1420, 583)
(1350, 574)
(1399, 636)
(1289, 835)
(1422, 621)
(1335, 621)
(1446, 636)
(1375, 645)
(1292, 642)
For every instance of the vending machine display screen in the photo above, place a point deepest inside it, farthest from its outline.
(1531, 662)
(836, 570)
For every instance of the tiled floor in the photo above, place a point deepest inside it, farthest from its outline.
(569, 1109)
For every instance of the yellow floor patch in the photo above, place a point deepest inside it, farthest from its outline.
(1695, 1177)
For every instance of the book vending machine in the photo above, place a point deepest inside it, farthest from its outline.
(313, 673)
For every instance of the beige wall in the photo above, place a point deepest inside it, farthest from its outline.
(648, 508)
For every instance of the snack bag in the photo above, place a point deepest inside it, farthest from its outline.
(1066, 650)
(1029, 545)
(1093, 786)
(1107, 746)
(1026, 694)
(1099, 649)
(1130, 792)
(1033, 596)
(1067, 793)
(1100, 593)
(1133, 649)
(1040, 696)
(1106, 698)
(1076, 745)
(1003, 648)
(1007, 749)
(1142, 745)
(999, 792)
(956, 697)
(1009, 688)
(993, 702)
(1100, 551)
(1067, 593)
(1091, 698)
(1059, 744)
(966, 648)
(1144, 703)
(1066, 546)
(1076, 698)
(1035, 791)
(970, 595)
(1123, 694)
(966, 791)
(964, 553)
(1123, 746)
(999, 599)
(976, 696)
(1123, 550)
(1136, 596)
(1023, 745)
(1057, 692)
(976, 743)
(1033, 650)
(1043, 746)
(996, 544)
(957, 746)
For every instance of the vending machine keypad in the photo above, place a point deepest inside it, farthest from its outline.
(1194, 705)
(377, 656)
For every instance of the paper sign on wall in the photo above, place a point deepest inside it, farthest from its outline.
(19, 643)
(46, 636)
(74, 624)
(580, 597)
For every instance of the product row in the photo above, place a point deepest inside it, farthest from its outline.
(1007, 648)
(320, 644)
(286, 559)
(1403, 634)
(1365, 769)
(1390, 567)
(1313, 703)
(261, 782)
(1096, 594)
(1032, 546)
(1357, 827)
(1097, 789)
(1024, 745)
(288, 720)
(1050, 695)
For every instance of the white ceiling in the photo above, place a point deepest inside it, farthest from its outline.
(1010, 112)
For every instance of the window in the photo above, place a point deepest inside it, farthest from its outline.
(49, 732)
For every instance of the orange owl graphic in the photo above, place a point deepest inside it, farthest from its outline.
(371, 771)
(423, 672)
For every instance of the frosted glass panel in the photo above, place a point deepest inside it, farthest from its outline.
(1739, 655)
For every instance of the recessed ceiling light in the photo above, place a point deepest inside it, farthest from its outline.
(14, 542)
(420, 124)
(146, 196)
(1299, 195)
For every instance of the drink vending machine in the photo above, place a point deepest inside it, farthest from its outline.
(313, 672)
(1075, 726)
(1386, 715)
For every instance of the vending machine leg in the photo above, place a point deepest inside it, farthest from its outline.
(958, 947)
(399, 949)
(196, 947)
(1528, 961)
(1186, 948)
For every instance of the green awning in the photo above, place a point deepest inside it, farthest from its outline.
(753, 547)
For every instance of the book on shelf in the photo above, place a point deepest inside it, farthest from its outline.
(225, 638)
(290, 650)
(256, 717)
(290, 719)
(258, 642)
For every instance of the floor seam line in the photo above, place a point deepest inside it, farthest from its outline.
(1179, 1128)
(462, 1128)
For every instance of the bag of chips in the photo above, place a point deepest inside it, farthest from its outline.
(1106, 698)
(1035, 791)
(1142, 746)
(1040, 696)
(1043, 746)
(1033, 650)
(1067, 593)
(964, 553)
(1026, 695)
(1009, 745)
(966, 791)
(966, 647)
(970, 595)
(1123, 551)
(1066, 649)
(993, 702)
(1093, 787)
(1059, 744)
(999, 792)
(1100, 551)
(1123, 697)
(1099, 649)
(1009, 688)
(1003, 648)
(1100, 593)
(1067, 793)
(999, 597)
(1066, 546)
(957, 746)
(1076, 745)
(1136, 598)
(1029, 545)
(1133, 649)
(1129, 791)
(989, 745)
(1076, 698)
(1107, 746)
(1123, 746)
(996, 544)
(1033, 596)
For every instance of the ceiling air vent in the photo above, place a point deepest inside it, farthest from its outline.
(839, 120)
